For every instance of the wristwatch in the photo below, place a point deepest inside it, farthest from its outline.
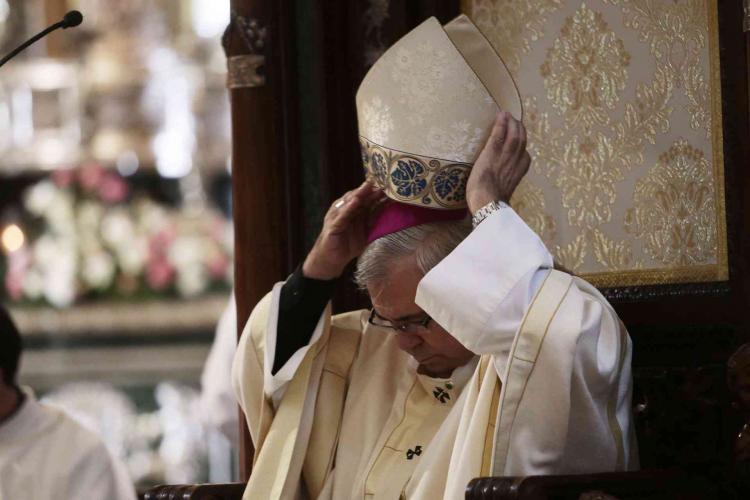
(485, 212)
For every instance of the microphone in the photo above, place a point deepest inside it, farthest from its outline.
(70, 20)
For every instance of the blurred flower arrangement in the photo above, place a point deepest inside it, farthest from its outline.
(89, 236)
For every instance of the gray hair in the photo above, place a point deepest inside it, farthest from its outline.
(428, 243)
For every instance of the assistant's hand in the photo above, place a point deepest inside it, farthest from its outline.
(344, 233)
(500, 166)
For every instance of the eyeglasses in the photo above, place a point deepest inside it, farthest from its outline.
(401, 326)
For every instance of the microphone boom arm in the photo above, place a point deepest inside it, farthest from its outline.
(71, 19)
(28, 42)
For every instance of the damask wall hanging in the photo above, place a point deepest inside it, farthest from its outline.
(622, 102)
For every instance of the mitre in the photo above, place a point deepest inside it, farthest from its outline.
(426, 108)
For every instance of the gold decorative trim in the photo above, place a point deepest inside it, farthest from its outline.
(415, 179)
(243, 71)
(717, 137)
(523, 357)
(614, 424)
(641, 277)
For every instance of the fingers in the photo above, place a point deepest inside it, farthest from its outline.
(525, 163)
(508, 151)
(351, 205)
(508, 138)
(521, 150)
(499, 129)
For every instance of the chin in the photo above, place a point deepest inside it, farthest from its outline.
(435, 368)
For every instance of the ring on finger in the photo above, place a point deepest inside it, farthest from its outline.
(339, 203)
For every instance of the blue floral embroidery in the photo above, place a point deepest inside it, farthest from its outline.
(408, 177)
(449, 184)
(365, 156)
(379, 169)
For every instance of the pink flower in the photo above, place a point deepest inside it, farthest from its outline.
(63, 177)
(160, 242)
(18, 262)
(112, 189)
(217, 267)
(159, 274)
(90, 176)
(14, 285)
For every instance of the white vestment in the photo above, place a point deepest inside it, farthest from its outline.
(348, 416)
(46, 455)
(217, 402)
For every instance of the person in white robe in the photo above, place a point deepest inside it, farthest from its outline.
(44, 453)
(477, 358)
(217, 402)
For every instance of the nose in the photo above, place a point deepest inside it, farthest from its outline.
(408, 341)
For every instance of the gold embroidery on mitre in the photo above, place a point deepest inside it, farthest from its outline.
(415, 179)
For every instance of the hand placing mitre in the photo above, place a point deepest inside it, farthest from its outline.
(344, 233)
(501, 164)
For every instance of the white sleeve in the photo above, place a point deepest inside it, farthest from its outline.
(480, 294)
(100, 475)
(481, 291)
(274, 386)
(575, 415)
(217, 400)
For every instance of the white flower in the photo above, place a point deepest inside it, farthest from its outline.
(39, 197)
(131, 256)
(186, 251)
(117, 228)
(98, 269)
(151, 217)
(60, 215)
(89, 215)
(59, 277)
(33, 284)
(191, 280)
(45, 251)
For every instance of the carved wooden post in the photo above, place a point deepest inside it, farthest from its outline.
(257, 43)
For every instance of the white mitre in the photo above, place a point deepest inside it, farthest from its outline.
(426, 108)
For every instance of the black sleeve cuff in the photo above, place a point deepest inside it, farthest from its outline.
(301, 303)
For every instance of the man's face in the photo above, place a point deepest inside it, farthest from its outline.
(437, 352)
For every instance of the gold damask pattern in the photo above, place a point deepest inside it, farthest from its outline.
(676, 34)
(623, 111)
(586, 69)
(571, 256)
(511, 26)
(674, 207)
(528, 201)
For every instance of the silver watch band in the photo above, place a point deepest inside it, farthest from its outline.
(485, 212)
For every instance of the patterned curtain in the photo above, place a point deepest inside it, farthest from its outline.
(623, 107)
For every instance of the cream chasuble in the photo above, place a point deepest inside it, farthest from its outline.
(348, 416)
